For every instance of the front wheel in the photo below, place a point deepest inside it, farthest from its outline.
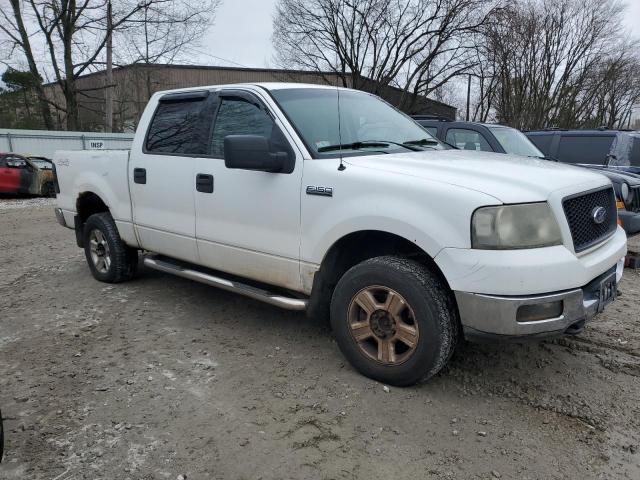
(110, 259)
(394, 320)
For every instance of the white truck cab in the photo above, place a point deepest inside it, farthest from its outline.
(330, 200)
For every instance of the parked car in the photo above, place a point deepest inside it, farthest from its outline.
(617, 149)
(485, 137)
(340, 205)
(613, 153)
(26, 176)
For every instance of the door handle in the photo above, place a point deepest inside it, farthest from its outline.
(140, 175)
(204, 183)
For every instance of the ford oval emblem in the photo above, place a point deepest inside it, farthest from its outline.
(599, 215)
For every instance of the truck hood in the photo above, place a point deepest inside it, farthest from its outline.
(508, 178)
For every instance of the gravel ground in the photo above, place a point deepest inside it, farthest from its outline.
(162, 378)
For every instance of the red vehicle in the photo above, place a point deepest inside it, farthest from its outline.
(26, 176)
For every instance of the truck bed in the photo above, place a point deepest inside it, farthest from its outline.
(102, 172)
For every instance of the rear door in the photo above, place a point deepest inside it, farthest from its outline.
(13, 173)
(248, 222)
(9, 181)
(161, 173)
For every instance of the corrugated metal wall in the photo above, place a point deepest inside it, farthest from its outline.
(135, 84)
(45, 143)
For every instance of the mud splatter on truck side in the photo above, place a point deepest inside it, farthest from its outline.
(25, 175)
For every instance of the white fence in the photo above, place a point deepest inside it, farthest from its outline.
(45, 142)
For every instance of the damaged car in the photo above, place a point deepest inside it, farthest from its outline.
(20, 175)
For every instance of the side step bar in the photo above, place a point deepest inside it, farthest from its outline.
(289, 303)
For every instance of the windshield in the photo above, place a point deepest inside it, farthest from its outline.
(41, 163)
(367, 125)
(515, 142)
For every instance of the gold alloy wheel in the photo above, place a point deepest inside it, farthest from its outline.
(383, 325)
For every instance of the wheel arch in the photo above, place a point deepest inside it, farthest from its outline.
(87, 203)
(356, 247)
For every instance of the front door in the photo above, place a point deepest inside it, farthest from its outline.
(248, 222)
(161, 174)
(10, 174)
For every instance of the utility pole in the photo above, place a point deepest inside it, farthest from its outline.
(108, 93)
(468, 95)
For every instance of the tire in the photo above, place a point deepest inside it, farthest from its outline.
(110, 259)
(412, 340)
(49, 190)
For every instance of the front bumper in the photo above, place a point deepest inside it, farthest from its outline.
(495, 317)
(630, 221)
(60, 217)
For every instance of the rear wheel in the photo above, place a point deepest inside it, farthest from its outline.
(110, 259)
(49, 189)
(394, 320)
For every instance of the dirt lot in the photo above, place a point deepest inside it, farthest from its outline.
(165, 378)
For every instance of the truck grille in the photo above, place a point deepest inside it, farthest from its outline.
(635, 202)
(580, 210)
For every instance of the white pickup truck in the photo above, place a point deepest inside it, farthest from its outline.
(331, 201)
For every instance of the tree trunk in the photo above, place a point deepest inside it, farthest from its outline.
(45, 110)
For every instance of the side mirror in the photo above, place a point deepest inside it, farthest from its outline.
(252, 152)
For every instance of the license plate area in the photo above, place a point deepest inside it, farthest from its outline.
(608, 292)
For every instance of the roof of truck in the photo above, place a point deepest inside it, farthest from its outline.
(265, 85)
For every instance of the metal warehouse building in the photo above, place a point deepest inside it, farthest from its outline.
(134, 85)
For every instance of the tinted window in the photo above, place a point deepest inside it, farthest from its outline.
(238, 117)
(432, 130)
(466, 139)
(543, 142)
(584, 149)
(635, 152)
(14, 162)
(180, 127)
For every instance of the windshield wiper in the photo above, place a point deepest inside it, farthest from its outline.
(407, 145)
(353, 146)
(422, 141)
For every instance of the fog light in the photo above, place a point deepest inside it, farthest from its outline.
(539, 311)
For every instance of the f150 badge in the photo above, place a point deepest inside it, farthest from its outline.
(322, 191)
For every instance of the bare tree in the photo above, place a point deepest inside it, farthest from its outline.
(13, 27)
(545, 63)
(161, 33)
(73, 35)
(417, 45)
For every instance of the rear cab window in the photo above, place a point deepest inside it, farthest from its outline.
(180, 125)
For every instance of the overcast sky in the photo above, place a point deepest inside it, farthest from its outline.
(242, 33)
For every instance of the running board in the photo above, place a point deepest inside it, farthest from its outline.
(290, 303)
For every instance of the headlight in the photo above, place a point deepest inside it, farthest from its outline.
(624, 192)
(528, 225)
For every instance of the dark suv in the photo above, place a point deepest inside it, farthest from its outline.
(486, 137)
(614, 153)
(615, 149)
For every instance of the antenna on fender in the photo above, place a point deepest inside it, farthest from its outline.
(342, 166)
